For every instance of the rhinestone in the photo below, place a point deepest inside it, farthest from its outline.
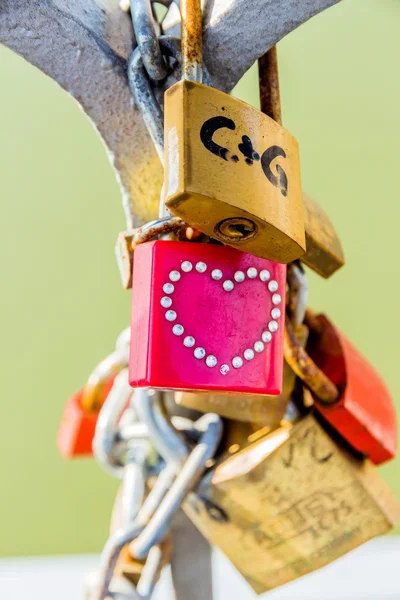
(211, 361)
(273, 326)
(258, 346)
(199, 352)
(237, 362)
(186, 266)
(216, 274)
(273, 285)
(174, 276)
(189, 341)
(228, 285)
(266, 336)
(239, 276)
(248, 354)
(170, 315)
(177, 329)
(224, 369)
(265, 275)
(275, 313)
(166, 302)
(201, 267)
(168, 288)
(252, 273)
(276, 299)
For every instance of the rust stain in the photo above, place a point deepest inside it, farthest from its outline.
(305, 368)
(192, 36)
(270, 96)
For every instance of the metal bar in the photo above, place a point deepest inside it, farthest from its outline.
(191, 561)
(84, 45)
(268, 75)
(192, 40)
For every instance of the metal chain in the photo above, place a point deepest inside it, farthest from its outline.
(147, 32)
(135, 441)
(147, 39)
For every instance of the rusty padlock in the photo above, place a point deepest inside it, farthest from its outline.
(290, 503)
(230, 171)
(348, 392)
(78, 424)
(324, 253)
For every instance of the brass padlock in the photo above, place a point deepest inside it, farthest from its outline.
(324, 250)
(230, 171)
(266, 411)
(290, 503)
(324, 253)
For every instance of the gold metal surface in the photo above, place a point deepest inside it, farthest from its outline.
(324, 253)
(290, 503)
(265, 411)
(222, 162)
(124, 255)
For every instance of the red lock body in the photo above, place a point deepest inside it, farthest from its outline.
(78, 426)
(206, 317)
(364, 414)
(77, 429)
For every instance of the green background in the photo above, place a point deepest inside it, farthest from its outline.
(61, 303)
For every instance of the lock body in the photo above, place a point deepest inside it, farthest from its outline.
(324, 253)
(364, 413)
(289, 504)
(206, 317)
(232, 172)
(77, 429)
(78, 424)
(266, 411)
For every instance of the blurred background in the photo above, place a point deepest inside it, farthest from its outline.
(61, 302)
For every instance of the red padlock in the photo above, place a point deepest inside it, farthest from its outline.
(206, 317)
(364, 413)
(78, 424)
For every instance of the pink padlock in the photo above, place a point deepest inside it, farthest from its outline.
(206, 317)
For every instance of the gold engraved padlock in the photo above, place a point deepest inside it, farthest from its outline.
(230, 171)
(266, 411)
(324, 250)
(290, 503)
(324, 253)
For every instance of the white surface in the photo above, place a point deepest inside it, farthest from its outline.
(371, 572)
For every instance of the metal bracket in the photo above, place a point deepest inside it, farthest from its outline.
(84, 45)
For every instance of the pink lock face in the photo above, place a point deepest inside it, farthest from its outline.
(206, 317)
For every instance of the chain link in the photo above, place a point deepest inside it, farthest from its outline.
(134, 441)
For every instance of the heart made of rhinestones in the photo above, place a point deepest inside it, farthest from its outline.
(228, 285)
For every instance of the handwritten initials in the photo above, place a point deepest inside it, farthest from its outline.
(278, 179)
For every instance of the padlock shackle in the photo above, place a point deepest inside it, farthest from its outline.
(305, 368)
(109, 367)
(155, 228)
(192, 40)
(297, 299)
(268, 76)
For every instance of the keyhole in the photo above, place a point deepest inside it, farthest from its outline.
(235, 229)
